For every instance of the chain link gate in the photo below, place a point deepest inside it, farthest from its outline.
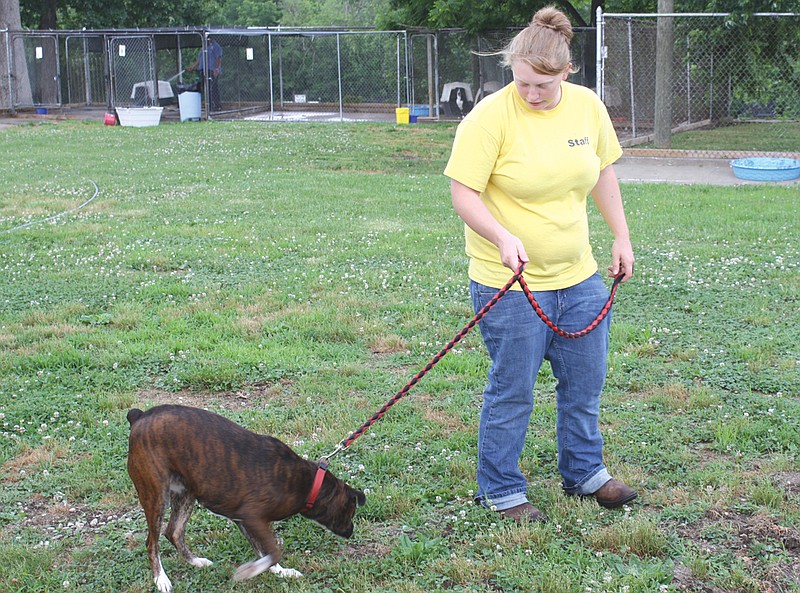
(132, 69)
(84, 70)
(287, 75)
(36, 81)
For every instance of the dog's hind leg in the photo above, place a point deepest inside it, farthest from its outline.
(182, 504)
(154, 505)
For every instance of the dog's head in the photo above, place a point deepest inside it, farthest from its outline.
(336, 506)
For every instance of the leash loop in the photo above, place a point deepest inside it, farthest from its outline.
(517, 277)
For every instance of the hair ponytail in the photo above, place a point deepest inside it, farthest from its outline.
(544, 44)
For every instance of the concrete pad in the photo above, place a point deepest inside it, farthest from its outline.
(703, 171)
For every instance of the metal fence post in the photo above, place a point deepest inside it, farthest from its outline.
(600, 55)
(630, 73)
(339, 72)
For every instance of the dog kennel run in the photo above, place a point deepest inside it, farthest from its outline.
(264, 71)
(267, 73)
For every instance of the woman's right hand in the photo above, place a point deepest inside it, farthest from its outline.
(469, 206)
(512, 251)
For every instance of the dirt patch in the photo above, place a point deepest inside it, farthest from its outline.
(748, 537)
(789, 482)
(57, 518)
(252, 397)
(15, 470)
(686, 581)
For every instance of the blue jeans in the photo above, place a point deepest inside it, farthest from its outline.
(518, 341)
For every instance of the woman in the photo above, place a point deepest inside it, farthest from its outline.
(523, 162)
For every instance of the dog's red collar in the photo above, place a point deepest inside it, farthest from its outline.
(312, 496)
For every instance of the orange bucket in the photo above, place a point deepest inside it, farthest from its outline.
(110, 119)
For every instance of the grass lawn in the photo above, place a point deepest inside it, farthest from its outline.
(776, 136)
(294, 277)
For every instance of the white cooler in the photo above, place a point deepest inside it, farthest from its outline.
(190, 105)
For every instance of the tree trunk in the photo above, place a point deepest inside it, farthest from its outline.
(47, 20)
(662, 133)
(47, 84)
(14, 84)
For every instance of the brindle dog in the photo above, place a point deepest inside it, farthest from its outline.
(178, 455)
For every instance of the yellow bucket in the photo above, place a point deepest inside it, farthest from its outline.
(402, 113)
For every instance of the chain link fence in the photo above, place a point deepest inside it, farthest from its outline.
(269, 74)
(655, 73)
(680, 72)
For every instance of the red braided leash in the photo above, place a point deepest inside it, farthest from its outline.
(565, 334)
(517, 277)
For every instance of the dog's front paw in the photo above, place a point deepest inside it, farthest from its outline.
(162, 582)
(251, 569)
(200, 562)
(286, 573)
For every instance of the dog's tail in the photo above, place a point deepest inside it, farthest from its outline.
(134, 415)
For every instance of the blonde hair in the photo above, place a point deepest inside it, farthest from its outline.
(544, 44)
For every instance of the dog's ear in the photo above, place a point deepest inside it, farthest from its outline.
(360, 498)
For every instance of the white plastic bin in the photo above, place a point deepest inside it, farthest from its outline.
(139, 117)
(190, 105)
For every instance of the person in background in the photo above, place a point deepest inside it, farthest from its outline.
(522, 165)
(209, 63)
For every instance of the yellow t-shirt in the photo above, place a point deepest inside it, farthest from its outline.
(534, 170)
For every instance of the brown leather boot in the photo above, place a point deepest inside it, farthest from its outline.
(523, 512)
(613, 494)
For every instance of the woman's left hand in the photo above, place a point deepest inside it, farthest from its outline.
(621, 259)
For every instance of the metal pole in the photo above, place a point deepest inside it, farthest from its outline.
(409, 87)
(397, 67)
(179, 57)
(112, 80)
(688, 80)
(59, 96)
(411, 93)
(436, 72)
(8, 69)
(69, 70)
(599, 55)
(280, 73)
(204, 73)
(711, 90)
(87, 72)
(339, 72)
(432, 86)
(630, 79)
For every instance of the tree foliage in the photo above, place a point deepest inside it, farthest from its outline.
(473, 15)
(476, 15)
(331, 13)
(101, 14)
(247, 13)
(731, 6)
(485, 15)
